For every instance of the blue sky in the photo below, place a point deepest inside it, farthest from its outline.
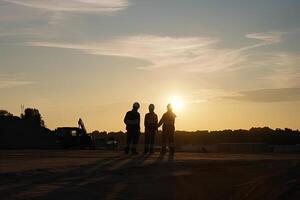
(213, 54)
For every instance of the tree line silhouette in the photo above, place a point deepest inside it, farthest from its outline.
(254, 135)
(26, 131)
(29, 131)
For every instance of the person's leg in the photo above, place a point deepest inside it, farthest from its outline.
(128, 141)
(135, 140)
(163, 142)
(147, 141)
(151, 143)
(171, 142)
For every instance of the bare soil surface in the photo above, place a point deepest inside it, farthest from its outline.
(94, 174)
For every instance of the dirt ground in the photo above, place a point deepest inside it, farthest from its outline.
(94, 174)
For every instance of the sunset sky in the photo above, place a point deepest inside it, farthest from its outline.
(227, 63)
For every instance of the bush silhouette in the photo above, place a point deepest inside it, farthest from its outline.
(33, 115)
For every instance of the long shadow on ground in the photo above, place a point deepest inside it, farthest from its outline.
(158, 177)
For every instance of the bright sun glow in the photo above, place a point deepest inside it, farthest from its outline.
(177, 103)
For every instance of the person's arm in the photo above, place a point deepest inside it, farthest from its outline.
(139, 119)
(156, 122)
(126, 118)
(146, 120)
(162, 120)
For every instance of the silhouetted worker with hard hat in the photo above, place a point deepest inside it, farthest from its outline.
(132, 121)
(168, 122)
(150, 123)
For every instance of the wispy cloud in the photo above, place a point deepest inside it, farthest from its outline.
(11, 83)
(74, 5)
(160, 51)
(203, 54)
(267, 95)
(267, 37)
(285, 69)
(204, 95)
(19, 18)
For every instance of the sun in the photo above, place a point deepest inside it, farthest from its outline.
(177, 103)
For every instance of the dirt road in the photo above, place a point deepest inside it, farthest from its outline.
(101, 175)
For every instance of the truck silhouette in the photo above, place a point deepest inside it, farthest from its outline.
(74, 137)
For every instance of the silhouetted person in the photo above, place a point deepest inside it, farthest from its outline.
(151, 123)
(168, 122)
(132, 121)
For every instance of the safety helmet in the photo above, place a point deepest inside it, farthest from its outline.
(136, 105)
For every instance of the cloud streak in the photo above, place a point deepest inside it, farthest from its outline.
(159, 51)
(267, 37)
(11, 83)
(267, 95)
(284, 71)
(196, 54)
(74, 5)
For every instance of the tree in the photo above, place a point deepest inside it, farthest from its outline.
(33, 115)
(5, 113)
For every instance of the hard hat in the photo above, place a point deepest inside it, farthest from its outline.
(151, 106)
(136, 105)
